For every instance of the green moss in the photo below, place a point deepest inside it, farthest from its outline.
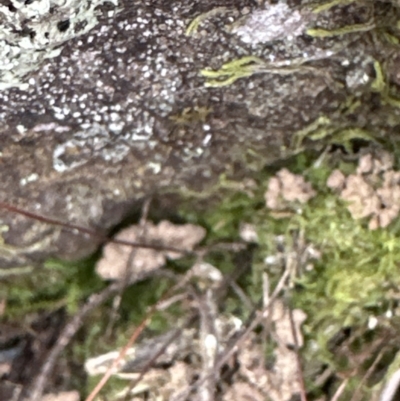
(55, 285)
(324, 131)
(330, 4)
(354, 279)
(357, 266)
(247, 66)
(344, 30)
(232, 71)
(195, 23)
(191, 115)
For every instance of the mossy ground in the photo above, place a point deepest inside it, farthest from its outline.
(355, 279)
(354, 282)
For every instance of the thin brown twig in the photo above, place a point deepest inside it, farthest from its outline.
(116, 361)
(130, 342)
(368, 373)
(266, 326)
(103, 239)
(35, 392)
(87, 231)
(154, 358)
(340, 390)
(128, 268)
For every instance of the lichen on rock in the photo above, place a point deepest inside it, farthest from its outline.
(104, 124)
(276, 21)
(33, 31)
(86, 144)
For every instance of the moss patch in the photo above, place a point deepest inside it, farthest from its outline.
(355, 279)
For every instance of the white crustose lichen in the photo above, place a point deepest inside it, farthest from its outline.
(277, 21)
(31, 31)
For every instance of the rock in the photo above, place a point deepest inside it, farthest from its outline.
(109, 113)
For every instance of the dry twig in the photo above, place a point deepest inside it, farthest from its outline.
(87, 231)
(303, 392)
(356, 395)
(118, 297)
(239, 338)
(340, 390)
(34, 393)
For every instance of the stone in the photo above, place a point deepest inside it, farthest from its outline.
(103, 104)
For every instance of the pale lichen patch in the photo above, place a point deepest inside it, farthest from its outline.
(94, 141)
(31, 32)
(275, 22)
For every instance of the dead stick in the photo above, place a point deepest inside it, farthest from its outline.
(176, 333)
(36, 390)
(369, 372)
(88, 231)
(129, 344)
(303, 392)
(121, 355)
(241, 336)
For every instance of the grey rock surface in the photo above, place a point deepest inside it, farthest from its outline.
(119, 102)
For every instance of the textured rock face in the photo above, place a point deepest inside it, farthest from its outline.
(109, 112)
